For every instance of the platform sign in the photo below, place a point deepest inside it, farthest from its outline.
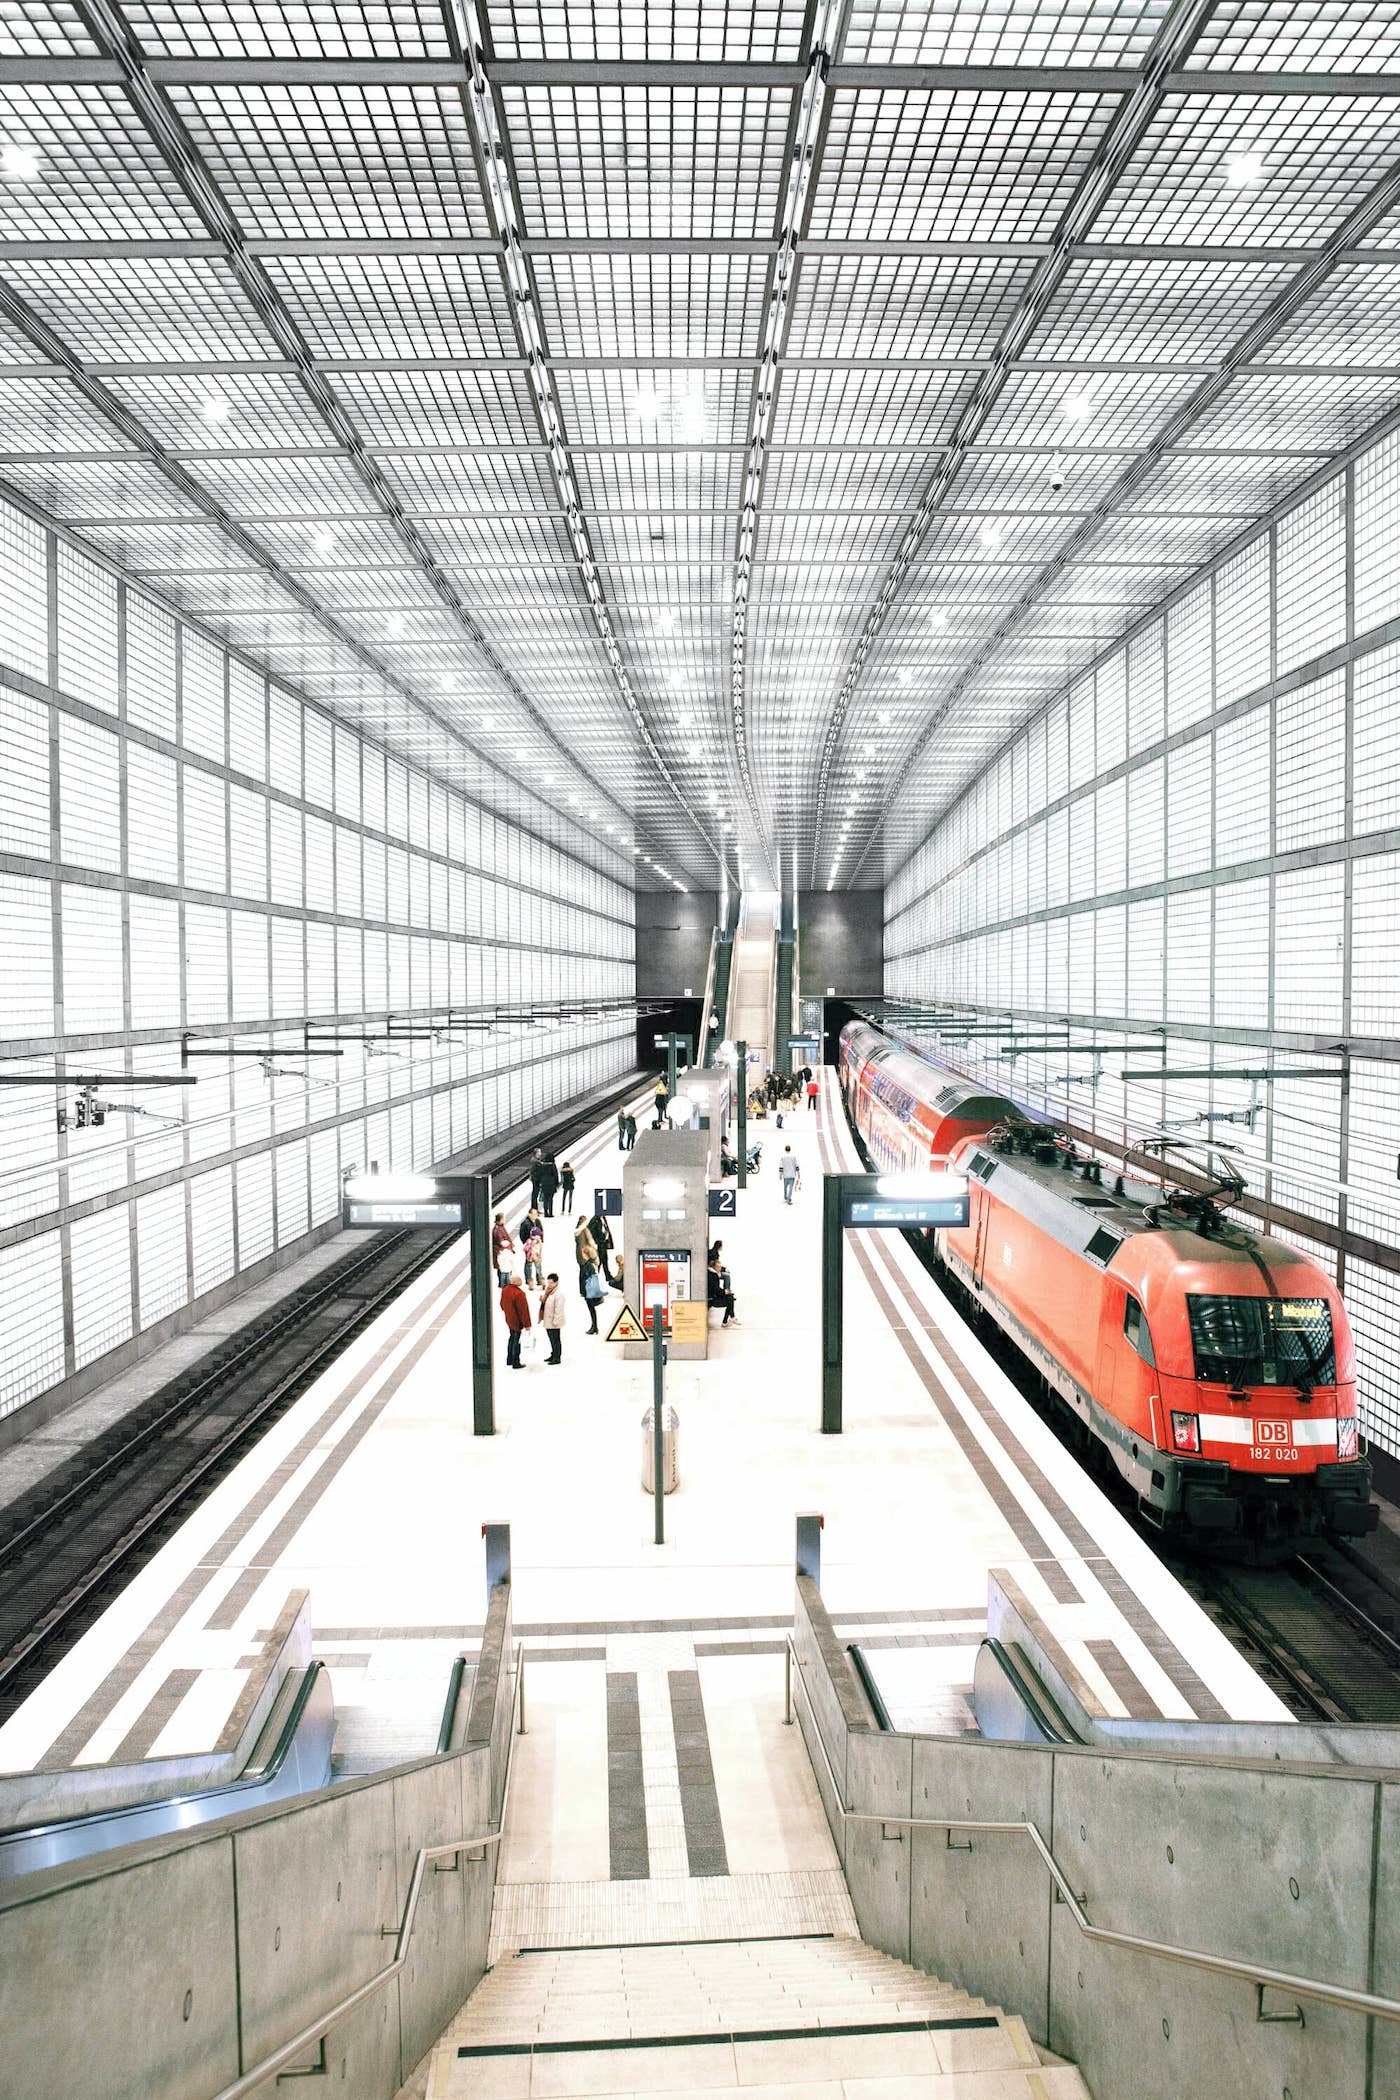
(380, 1211)
(607, 1203)
(724, 1203)
(943, 1201)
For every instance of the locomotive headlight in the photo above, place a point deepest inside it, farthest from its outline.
(1346, 1436)
(1186, 1432)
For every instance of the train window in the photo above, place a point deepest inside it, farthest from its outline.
(1263, 1341)
(1136, 1329)
(1104, 1245)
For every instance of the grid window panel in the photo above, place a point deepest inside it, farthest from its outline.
(1188, 956)
(1147, 669)
(89, 795)
(1242, 954)
(320, 787)
(1312, 585)
(92, 960)
(1370, 1301)
(1243, 640)
(284, 740)
(1242, 812)
(1189, 807)
(251, 998)
(26, 982)
(347, 773)
(1376, 498)
(247, 721)
(100, 1260)
(202, 696)
(286, 877)
(150, 667)
(288, 968)
(1376, 742)
(247, 816)
(205, 831)
(211, 1228)
(87, 629)
(24, 601)
(32, 1354)
(253, 1186)
(290, 1168)
(1310, 763)
(155, 951)
(162, 1267)
(24, 775)
(153, 831)
(206, 966)
(320, 864)
(1375, 947)
(1308, 950)
(1189, 670)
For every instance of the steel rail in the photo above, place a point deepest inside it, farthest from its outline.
(478, 1842)
(1263, 1979)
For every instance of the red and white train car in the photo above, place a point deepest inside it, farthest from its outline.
(1211, 1363)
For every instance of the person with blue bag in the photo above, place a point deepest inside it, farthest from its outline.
(590, 1283)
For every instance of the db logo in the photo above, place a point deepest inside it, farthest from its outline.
(1272, 1432)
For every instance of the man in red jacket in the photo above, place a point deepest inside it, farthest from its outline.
(516, 1307)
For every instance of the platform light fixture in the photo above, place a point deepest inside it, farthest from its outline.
(680, 1108)
(991, 534)
(21, 163)
(391, 1188)
(323, 540)
(664, 1191)
(215, 409)
(1245, 171)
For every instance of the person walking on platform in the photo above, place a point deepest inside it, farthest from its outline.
(660, 1098)
(532, 1247)
(789, 1171)
(549, 1186)
(772, 1087)
(631, 1130)
(622, 1130)
(552, 1308)
(502, 1248)
(719, 1291)
(601, 1234)
(536, 1176)
(515, 1307)
(566, 1185)
(813, 1089)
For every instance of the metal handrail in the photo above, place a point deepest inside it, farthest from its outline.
(317, 2029)
(1263, 1979)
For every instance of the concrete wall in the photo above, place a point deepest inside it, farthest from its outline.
(841, 942)
(673, 941)
(1289, 1867)
(165, 1970)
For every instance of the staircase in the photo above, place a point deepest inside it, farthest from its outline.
(819, 2018)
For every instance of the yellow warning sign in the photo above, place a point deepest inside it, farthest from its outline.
(626, 1327)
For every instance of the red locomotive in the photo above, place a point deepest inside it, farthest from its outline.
(1212, 1365)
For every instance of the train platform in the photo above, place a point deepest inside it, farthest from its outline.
(371, 1494)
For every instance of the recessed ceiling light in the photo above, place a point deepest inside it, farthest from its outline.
(1077, 408)
(394, 624)
(323, 540)
(906, 679)
(882, 716)
(664, 623)
(992, 534)
(646, 404)
(21, 163)
(215, 409)
(695, 750)
(1244, 171)
(937, 618)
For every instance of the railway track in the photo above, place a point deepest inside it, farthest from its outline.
(1307, 1631)
(70, 1545)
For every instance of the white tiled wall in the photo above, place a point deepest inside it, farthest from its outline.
(1205, 833)
(152, 881)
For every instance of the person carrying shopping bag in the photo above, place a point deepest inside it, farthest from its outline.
(790, 1171)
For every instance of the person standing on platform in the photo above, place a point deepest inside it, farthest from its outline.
(660, 1098)
(813, 1089)
(552, 1307)
(532, 1247)
(772, 1086)
(590, 1283)
(502, 1248)
(566, 1185)
(789, 1171)
(622, 1130)
(549, 1186)
(515, 1307)
(536, 1176)
(601, 1234)
(631, 1130)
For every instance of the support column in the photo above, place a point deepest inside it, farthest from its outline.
(483, 1384)
(833, 1305)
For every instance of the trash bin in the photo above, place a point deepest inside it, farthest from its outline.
(670, 1468)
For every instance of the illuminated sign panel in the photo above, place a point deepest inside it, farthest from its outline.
(904, 1202)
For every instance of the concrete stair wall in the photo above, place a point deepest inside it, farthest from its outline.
(802, 2019)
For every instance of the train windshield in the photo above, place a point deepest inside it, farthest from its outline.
(1263, 1341)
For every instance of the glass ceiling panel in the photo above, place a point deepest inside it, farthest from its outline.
(384, 162)
(430, 408)
(650, 306)
(1114, 408)
(683, 29)
(1270, 408)
(1279, 35)
(280, 28)
(142, 309)
(1353, 320)
(1004, 32)
(397, 306)
(96, 174)
(1155, 311)
(648, 160)
(233, 410)
(42, 28)
(1318, 156)
(913, 165)
(901, 408)
(903, 306)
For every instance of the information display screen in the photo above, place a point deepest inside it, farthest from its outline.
(446, 1214)
(907, 1212)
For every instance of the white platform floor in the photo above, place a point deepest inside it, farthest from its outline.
(371, 1494)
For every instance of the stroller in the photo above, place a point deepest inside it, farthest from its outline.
(728, 1163)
